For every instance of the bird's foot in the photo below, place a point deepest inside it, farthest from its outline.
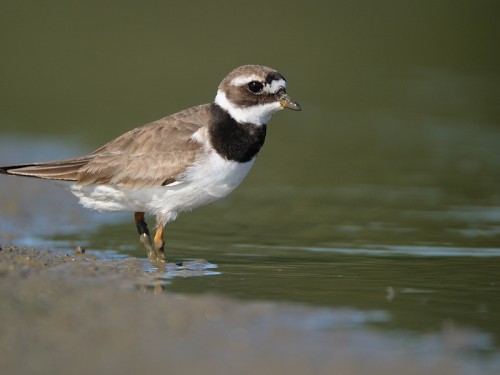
(159, 246)
(154, 249)
(146, 244)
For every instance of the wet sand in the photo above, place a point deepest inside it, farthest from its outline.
(67, 313)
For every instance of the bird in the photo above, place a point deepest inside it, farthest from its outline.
(177, 163)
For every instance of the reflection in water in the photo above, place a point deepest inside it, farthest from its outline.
(190, 268)
(159, 273)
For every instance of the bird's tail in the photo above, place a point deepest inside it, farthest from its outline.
(63, 170)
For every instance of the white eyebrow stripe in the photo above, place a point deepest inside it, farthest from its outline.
(275, 86)
(239, 81)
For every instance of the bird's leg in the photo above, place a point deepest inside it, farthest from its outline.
(144, 237)
(159, 243)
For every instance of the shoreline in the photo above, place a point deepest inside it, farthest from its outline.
(62, 313)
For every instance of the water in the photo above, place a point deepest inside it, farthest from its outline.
(408, 252)
(381, 196)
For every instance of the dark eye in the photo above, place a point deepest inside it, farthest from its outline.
(255, 86)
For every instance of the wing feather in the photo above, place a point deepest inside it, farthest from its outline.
(145, 156)
(64, 170)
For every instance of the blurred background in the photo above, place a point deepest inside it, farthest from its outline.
(388, 176)
(401, 101)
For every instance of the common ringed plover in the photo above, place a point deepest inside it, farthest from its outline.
(177, 163)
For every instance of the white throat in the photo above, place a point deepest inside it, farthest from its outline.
(258, 114)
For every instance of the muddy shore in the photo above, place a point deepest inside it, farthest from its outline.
(67, 313)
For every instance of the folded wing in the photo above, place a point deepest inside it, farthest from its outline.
(152, 155)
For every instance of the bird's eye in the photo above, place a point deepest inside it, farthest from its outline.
(255, 86)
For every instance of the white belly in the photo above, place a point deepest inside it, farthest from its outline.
(202, 183)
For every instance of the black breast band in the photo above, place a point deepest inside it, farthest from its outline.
(232, 140)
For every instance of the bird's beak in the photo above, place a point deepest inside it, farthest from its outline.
(287, 102)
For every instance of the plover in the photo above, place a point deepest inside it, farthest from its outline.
(177, 163)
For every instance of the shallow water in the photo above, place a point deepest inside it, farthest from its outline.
(408, 259)
(381, 196)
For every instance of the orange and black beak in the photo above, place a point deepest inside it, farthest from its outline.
(287, 102)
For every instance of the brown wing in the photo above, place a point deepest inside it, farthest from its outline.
(151, 155)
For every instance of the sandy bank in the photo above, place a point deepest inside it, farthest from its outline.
(63, 314)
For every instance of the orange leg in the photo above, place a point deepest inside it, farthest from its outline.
(159, 243)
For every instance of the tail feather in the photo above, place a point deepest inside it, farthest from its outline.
(65, 170)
